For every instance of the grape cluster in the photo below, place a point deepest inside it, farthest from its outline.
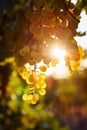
(36, 83)
(43, 25)
(42, 29)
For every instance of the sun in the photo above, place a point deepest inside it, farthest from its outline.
(59, 53)
(60, 71)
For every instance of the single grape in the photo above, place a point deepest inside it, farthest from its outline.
(21, 70)
(33, 77)
(43, 85)
(35, 98)
(42, 91)
(30, 96)
(25, 75)
(24, 51)
(33, 101)
(42, 76)
(43, 68)
(25, 97)
(54, 62)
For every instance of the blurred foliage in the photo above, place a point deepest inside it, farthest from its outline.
(65, 105)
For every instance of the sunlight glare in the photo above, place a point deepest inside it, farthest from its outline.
(60, 71)
(74, 1)
(58, 53)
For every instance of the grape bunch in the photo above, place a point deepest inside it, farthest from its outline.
(43, 25)
(35, 81)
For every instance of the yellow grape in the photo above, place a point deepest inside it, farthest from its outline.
(42, 76)
(54, 62)
(29, 97)
(41, 81)
(38, 86)
(25, 97)
(21, 70)
(25, 75)
(27, 81)
(24, 51)
(33, 101)
(43, 68)
(35, 98)
(43, 85)
(33, 77)
(31, 80)
(42, 91)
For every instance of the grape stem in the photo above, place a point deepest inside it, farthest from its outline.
(67, 9)
(73, 15)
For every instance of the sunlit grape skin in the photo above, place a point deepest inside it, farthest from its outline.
(43, 68)
(42, 91)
